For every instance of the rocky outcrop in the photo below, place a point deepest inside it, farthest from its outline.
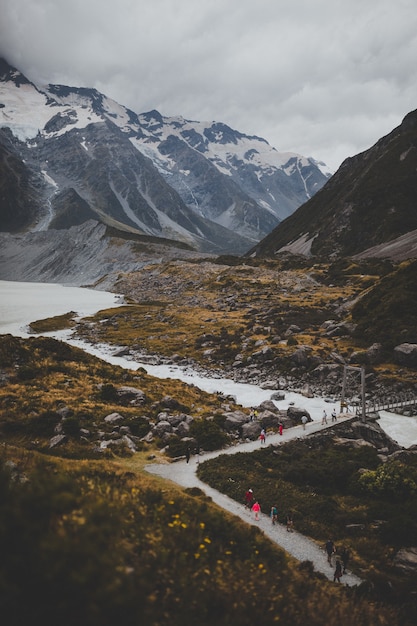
(406, 354)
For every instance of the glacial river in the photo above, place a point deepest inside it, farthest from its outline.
(22, 303)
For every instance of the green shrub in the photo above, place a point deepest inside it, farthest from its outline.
(108, 393)
(71, 426)
(43, 425)
(393, 479)
(208, 434)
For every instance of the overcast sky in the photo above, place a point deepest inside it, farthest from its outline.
(324, 78)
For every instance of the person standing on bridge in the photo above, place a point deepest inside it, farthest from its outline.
(324, 418)
(334, 416)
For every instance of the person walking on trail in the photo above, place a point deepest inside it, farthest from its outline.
(330, 550)
(324, 418)
(280, 427)
(256, 508)
(290, 522)
(334, 416)
(338, 571)
(249, 499)
(274, 514)
(304, 421)
(345, 556)
(188, 454)
(262, 436)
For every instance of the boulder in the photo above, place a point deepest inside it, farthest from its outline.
(406, 559)
(301, 356)
(170, 403)
(251, 430)
(162, 427)
(235, 420)
(295, 414)
(373, 433)
(278, 395)
(269, 419)
(183, 429)
(406, 354)
(113, 418)
(58, 440)
(131, 396)
(268, 405)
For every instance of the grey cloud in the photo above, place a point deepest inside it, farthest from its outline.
(326, 78)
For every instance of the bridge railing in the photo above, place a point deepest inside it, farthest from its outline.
(386, 403)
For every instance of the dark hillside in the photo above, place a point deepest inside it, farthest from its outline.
(371, 200)
(388, 312)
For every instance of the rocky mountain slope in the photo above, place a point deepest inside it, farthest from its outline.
(69, 154)
(367, 209)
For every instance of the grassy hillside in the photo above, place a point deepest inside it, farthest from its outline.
(388, 311)
(98, 541)
(88, 537)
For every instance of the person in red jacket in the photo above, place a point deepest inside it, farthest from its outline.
(256, 508)
(249, 499)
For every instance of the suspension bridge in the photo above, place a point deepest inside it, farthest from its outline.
(362, 406)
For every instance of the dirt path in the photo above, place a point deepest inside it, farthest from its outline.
(294, 543)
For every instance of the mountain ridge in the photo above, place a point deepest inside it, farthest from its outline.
(204, 184)
(368, 207)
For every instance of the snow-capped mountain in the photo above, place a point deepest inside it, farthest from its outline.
(72, 154)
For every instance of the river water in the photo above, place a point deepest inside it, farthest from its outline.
(22, 303)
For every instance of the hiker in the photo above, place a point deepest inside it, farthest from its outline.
(304, 421)
(274, 514)
(249, 499)
(330, 549)
(324, 418)
(345, 556)
(256, 508)
(338, 571)
(251, 415)
(280, 426)
(188, 454)
(334, 416)
(262, 436)
(290, 522)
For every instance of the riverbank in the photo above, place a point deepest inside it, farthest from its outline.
(23, 303)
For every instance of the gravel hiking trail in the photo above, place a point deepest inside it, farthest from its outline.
(296, 544)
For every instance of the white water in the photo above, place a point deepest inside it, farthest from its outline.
(22, 303)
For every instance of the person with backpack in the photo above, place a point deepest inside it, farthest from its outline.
(274, 514)
(330, 550)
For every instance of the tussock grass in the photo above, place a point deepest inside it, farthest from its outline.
(113, 544)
